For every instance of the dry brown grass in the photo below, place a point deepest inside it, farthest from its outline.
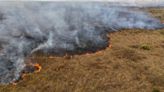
(126, 67)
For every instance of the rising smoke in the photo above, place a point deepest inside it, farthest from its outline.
(59, 28)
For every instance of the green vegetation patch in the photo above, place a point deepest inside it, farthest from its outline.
(142, 46)
(124, 53)
(155, 90)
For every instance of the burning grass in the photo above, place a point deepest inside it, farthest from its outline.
(109, 70)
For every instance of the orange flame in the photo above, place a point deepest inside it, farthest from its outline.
(38, 67)
(14, 83)
(110, 46)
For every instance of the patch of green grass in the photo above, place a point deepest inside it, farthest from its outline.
(155, 90)
(145, 47)
(142, 46)
(129, 54)
(162, 32)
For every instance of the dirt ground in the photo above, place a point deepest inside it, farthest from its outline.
(135, 63)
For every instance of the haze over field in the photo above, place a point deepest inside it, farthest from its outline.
(139, 3)
(60, 29)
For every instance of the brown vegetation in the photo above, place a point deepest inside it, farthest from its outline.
(135, 63)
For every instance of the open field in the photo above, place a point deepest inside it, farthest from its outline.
(135, 63)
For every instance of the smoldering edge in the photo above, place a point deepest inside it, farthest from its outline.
(60, 28)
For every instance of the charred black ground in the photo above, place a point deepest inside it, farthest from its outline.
(60, 28)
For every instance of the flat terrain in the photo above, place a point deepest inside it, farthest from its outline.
(135, 63)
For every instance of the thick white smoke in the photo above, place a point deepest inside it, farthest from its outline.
(59, 28)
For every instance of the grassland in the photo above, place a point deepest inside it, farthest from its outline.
(135, 63)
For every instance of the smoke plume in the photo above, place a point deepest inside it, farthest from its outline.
(59, 28)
